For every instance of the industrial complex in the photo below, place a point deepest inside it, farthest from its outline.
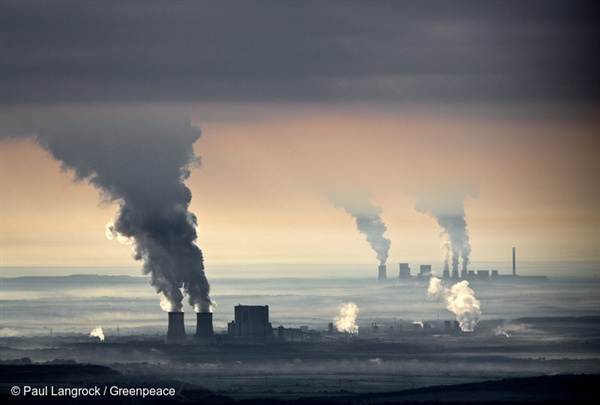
(425, 272)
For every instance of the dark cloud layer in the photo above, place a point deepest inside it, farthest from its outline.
(299, 51)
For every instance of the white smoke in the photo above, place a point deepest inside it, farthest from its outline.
(445, 203)
(167, 306)
(346, 320)
(500, 331)
(97, 332)
(459, 299)
(419, 324)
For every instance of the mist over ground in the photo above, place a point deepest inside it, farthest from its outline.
(527, 329)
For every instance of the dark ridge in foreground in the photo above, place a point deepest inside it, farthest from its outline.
(559, 389)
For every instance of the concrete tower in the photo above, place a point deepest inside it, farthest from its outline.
(176, 331)
(204, 328)
(382, 273)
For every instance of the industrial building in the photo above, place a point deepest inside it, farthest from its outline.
(471, 275)
(251, 322)
(404, 271)
(425, 271)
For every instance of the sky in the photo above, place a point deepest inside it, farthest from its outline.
(486, 110)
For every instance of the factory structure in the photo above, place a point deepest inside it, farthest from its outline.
(425, 272)
(251, 323)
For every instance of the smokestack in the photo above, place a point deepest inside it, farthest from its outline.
(204, 327)
(382, 273)
(176, 331)
(514, 263)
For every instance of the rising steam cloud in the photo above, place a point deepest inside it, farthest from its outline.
(98, 332)
(368, 221)
(445, 203)
(346, 320)
(459, 299)
(139, 158)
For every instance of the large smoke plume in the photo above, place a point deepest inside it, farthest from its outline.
(459, 299)
(139, 159)
(345, 321)
(368, 220)
(446, 205)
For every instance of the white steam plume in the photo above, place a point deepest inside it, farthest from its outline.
(97, 332)
(445, 203)
(346, 320)
(459, 299)
(368, 220)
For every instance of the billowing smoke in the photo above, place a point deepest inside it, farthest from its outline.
(138, 158)
(346, 320)
(368, 220)
(459, 299)
(97, 332)
(446, 205)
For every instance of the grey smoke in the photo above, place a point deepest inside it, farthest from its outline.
(368, 220)
(445, 203)
(138, 158)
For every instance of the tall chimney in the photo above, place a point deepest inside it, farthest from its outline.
(514, 263)
(382, 273)
(176, 331)
(204, 328)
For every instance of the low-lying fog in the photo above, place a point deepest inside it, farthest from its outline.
(80, 303)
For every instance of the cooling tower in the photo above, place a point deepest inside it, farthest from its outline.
(382, 273)
(204, 328)
(176, 331)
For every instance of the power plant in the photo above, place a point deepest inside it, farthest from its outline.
(251, 322)
(425, 271)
